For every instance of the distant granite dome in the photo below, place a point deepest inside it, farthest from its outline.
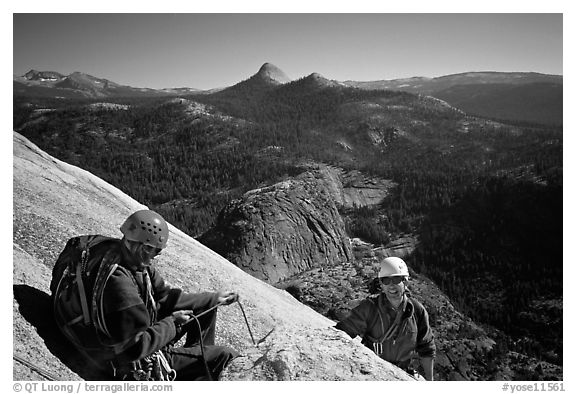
(318, 80)
(281, 230)
(271, 72)
(35, 75)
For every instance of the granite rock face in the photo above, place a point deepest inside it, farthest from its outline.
(278, 231)
(281, 357)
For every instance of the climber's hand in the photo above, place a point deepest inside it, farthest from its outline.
(181, 317)
(227, 298)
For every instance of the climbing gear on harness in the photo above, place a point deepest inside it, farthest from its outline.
(393, 266)
(146, 227)
(154, 367)
(391, 333)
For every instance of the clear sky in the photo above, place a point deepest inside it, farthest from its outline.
(215, 50)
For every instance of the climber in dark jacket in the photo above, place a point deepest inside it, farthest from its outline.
(392, 324)
(143, 317)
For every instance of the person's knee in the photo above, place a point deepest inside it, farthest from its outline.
(226, 354)
(221, 355)
(232, 353)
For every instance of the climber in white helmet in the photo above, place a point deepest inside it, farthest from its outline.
(392, 324)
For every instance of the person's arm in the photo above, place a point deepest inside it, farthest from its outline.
(425, 344)
(357, 321)
(170, 300)
(128, 320)
(227, 297)
(428, 366)
(165, 296)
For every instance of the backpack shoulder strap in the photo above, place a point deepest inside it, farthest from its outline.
(82, 293)
(418, 309)
(110, 263)
(376, 317)
(107, 270)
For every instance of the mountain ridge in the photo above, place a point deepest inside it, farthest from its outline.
(481, 93)
(275, 74)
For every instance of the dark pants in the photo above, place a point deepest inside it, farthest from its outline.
(188, 360)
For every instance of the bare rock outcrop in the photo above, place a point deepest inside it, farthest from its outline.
(285, 356)
(278, 231)
(351, 188)
(53, 201)
(400, 247)
(359, 190)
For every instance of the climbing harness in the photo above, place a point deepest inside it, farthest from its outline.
(154, 367)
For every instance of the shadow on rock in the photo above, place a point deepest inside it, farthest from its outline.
(36, 307)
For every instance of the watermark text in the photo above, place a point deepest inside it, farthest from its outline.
(536, 386)
(88, 387)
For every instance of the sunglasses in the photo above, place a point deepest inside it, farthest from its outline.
(150, 250)
(394, 280)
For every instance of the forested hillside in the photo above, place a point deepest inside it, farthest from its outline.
(485, 198)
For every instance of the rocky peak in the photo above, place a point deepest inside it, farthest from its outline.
(35, 75)
(270, 72)
(317, 80)
(87, 83)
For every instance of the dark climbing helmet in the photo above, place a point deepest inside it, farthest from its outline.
(146, 227)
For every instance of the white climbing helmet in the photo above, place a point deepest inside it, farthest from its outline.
(393, 266)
